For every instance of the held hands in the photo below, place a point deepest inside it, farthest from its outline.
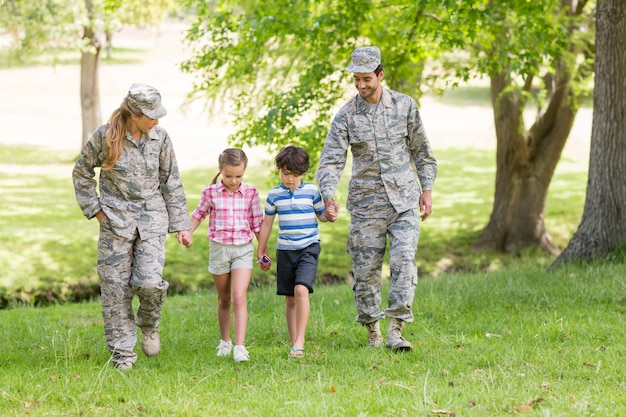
(185, 238)
(331, 209)
(264, 262)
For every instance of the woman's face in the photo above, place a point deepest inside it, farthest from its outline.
(232, 176)
(145, 124)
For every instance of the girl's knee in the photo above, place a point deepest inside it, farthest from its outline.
(224, 300)
(239, 300)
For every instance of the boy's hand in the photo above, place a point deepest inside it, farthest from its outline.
(264, 262)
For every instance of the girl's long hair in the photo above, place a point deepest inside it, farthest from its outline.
(116, 132)
(232, 157)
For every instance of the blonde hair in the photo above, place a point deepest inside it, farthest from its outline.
(116, 132)
(232, 157)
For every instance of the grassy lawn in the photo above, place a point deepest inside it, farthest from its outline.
(493, 334)
(485, 344)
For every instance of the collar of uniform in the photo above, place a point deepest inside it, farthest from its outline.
(152, 134)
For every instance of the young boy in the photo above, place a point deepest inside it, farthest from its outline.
(298, 205)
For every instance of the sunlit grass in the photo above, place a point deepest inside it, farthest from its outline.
(498, 343)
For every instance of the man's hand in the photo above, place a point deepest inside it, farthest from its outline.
(331, 208)
(426, 204)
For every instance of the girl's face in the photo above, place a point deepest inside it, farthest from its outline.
(290, 180)
(232, 176)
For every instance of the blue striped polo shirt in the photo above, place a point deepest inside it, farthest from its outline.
(297, 215)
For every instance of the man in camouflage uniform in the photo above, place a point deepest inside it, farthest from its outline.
(393, 172)
(141, 199)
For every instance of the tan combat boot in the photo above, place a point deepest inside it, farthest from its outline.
(395, 341)
(150, 341)
(374, 337)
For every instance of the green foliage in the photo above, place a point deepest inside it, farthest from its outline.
(49, 27)
(36, 25)
(523, 341)
(282, 63)
(137, 12)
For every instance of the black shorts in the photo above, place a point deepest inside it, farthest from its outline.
(295, 267)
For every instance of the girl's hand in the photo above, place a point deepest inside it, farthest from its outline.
(185, 238)
(100, 215)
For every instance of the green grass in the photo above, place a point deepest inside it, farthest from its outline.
(12, 58)
(485, 344)
(48, 249)
(477, 93)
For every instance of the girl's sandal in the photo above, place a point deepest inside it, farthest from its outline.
(296, 352)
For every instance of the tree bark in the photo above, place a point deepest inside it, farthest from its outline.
(526, 160)
(89, 81)
(603, 225)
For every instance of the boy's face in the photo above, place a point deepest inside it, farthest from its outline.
(232, 176)
(289, 179)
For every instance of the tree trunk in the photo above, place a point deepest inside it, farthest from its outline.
(525, 161)
(109, 43)
(603, 225)
(89, 89)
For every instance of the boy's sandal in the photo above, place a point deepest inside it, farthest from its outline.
(296, 352)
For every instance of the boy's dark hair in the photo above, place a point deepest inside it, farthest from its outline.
(293, 159)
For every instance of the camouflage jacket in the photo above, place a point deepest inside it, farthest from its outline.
(392, 158)
(143, 190)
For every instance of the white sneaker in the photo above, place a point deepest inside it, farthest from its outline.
(224, 348)
(240, 354)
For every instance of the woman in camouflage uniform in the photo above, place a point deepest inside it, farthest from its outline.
(140, 200)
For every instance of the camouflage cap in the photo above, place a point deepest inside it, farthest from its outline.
(365, 59)
(148, 99)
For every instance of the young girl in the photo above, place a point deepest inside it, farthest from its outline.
(235, 217)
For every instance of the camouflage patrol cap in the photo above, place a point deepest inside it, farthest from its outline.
(148, 99)
(365, 59)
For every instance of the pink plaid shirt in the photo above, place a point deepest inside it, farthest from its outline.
(233, 217)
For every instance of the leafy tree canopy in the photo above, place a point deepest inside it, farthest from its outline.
(35, 26)
(281, 63)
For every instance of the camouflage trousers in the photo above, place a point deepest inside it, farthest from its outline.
(367, 241)
(127, 267)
